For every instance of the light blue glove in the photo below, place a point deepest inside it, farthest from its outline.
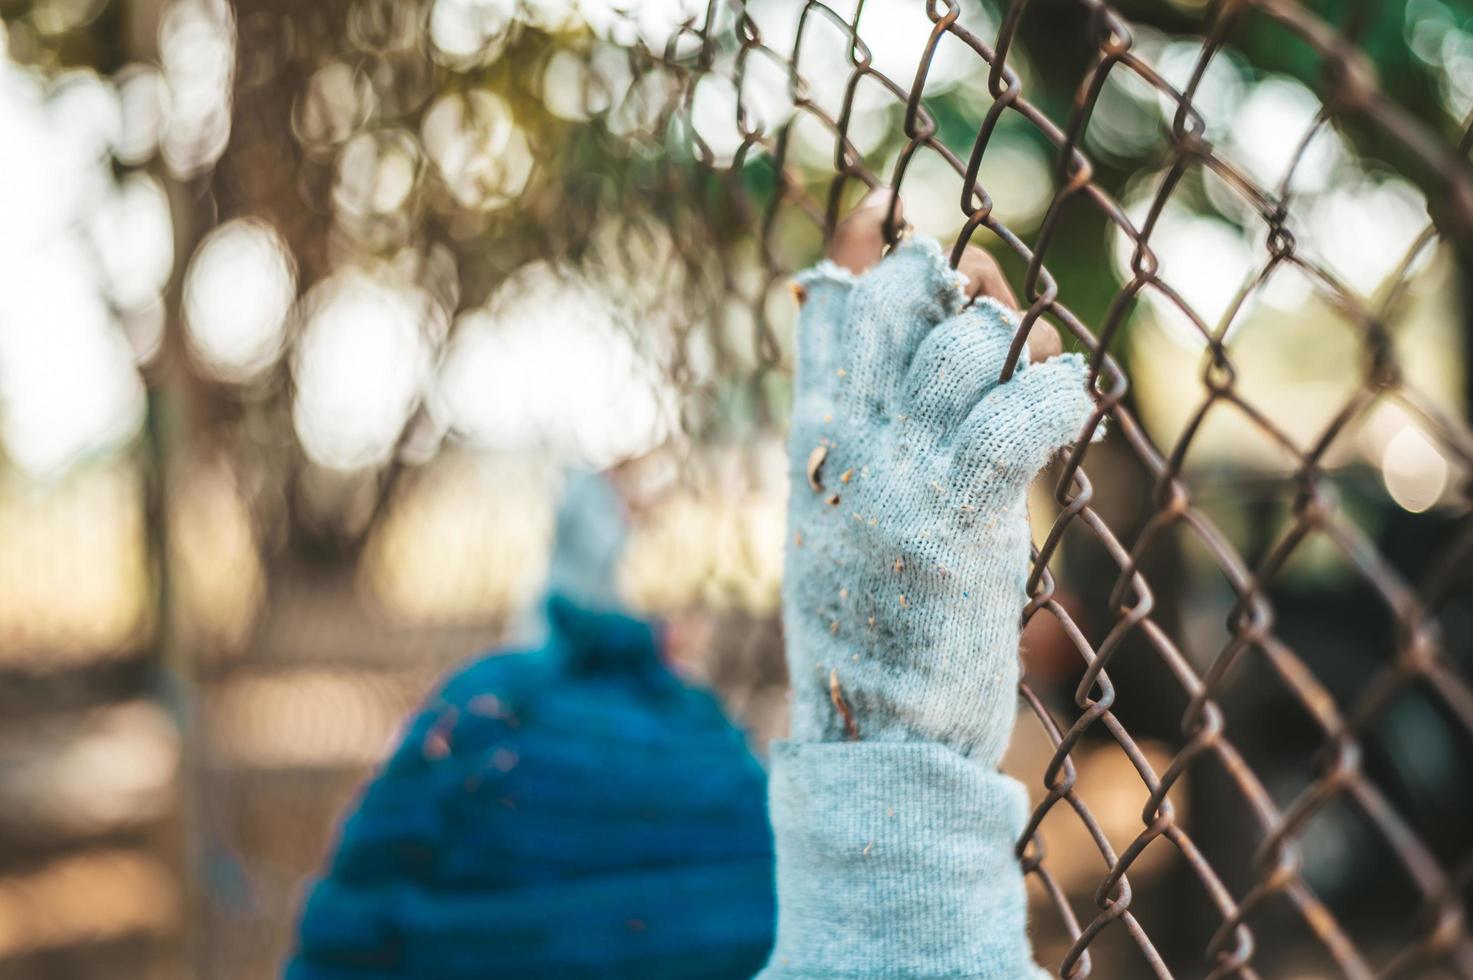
(910, 464)
(905, 578)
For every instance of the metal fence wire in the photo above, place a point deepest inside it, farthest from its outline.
(726, 40)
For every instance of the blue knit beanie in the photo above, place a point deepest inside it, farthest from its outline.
(569, 811)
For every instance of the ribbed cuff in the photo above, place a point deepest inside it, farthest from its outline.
(896, 860)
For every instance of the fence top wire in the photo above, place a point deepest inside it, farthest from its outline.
(727, 40)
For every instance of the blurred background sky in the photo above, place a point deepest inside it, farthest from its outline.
(305, 309)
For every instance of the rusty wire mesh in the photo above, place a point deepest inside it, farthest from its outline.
(727, 39)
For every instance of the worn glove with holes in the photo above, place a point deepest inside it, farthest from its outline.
(906, 574)
(910, 465)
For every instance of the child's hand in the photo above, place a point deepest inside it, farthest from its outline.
(910, 464)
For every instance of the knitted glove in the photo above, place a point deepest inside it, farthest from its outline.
(910, 464)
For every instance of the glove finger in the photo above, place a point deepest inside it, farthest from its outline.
(958, 364)
(1018, 426)
(892, 309)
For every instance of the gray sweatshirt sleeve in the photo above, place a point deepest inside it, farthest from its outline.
(896, 860)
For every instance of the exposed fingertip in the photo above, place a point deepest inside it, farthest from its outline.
(973, 265)
(859, 240)
(1044, 342)
(985, 276)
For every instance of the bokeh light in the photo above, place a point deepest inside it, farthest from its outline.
(360, 367)
(238, 290)
(306, 717)
(74, 572)
(715, 543)
(336, 101)
(220, 579)
(376, 172)
(548, 366)
(133, 237)
(101, 771)
(1414, 471)
(469, 33)
(143, 106)
(73, 243)
(477, 149)
(197, 54)
(1272, 108)
(1363, 228)
(465, 541)
(91, 897)
(1203, 259)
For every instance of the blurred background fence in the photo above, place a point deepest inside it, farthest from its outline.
(304, 306)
